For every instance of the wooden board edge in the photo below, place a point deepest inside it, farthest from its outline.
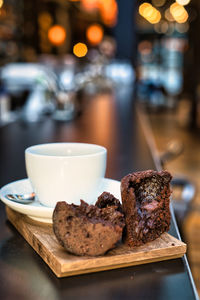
(112, 267)
(178, 251)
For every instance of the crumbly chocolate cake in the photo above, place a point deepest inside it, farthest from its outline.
(87, 229)
(145, 203)
(106, 199)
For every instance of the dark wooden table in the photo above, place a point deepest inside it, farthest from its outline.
(112, 122)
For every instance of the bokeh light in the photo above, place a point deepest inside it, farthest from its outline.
(94, 34)
(57, 35)
(1, 3)
(164, 27)
(150, 13)
(80, 49)
(108, 10)
(182, 28)
(144, 6)
(145, 47)
(45, 20)
(168, 15)
(158, 3)
(179, 13)
(183, 2)
(90, 5)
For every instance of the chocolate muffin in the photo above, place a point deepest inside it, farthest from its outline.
(87, 229)
(106, 199)
(145, 204)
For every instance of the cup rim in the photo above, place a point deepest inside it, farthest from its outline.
(30, 150)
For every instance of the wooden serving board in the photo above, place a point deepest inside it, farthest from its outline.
(41, 237)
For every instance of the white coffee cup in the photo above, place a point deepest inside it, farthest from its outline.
(66, 171)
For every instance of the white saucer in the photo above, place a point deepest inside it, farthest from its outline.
(37, 211)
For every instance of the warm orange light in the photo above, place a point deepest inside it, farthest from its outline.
(176, 9)
(155, 18)
(143, 7)
(80, 49)
(94, 34)
(179, 13)
(183, 19)
(57, 35)
(108, 11)
(150, 13)
(90, 5)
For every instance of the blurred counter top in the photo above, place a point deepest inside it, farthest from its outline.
(112, 121)
(174, 125)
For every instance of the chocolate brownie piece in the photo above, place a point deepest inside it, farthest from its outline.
(87, 229)
(145, 203)
(106, 199)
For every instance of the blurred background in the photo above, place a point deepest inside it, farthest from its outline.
(55, 55)
(64, 44)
